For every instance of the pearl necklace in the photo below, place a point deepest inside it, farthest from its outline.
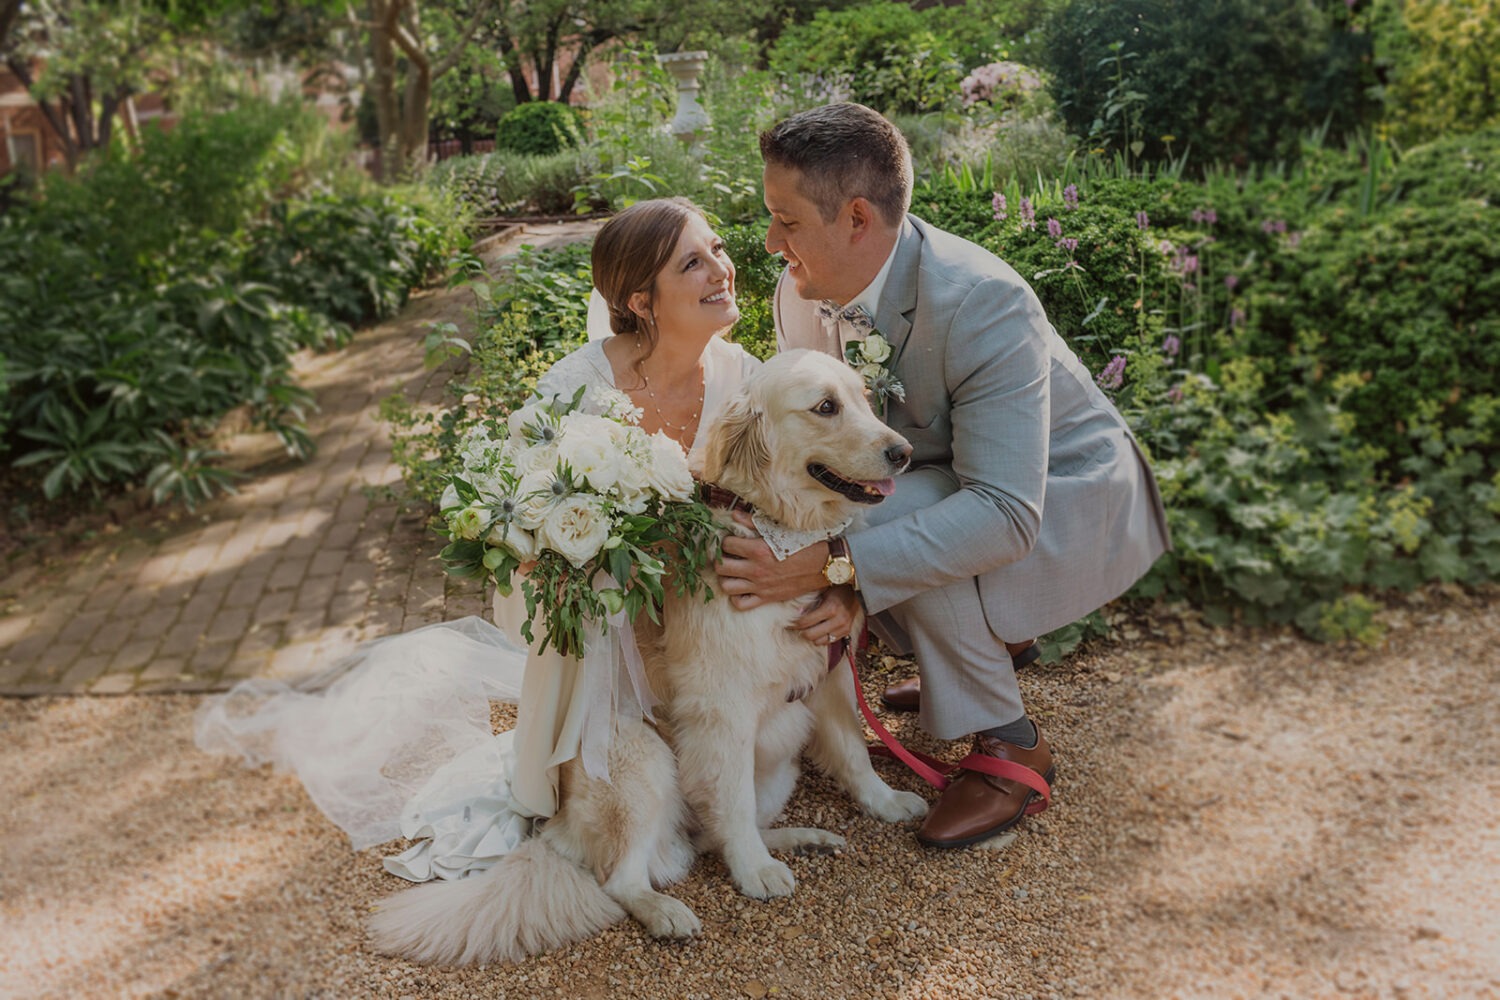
(690, 428)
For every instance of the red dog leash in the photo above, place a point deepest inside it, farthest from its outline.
(935, 772)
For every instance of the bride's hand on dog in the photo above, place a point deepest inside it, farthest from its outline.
(831, 618)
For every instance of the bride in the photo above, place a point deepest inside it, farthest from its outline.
(395, 740)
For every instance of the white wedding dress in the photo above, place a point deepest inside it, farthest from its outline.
(395, 740)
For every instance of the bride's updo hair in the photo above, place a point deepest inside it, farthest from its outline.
(630, 251)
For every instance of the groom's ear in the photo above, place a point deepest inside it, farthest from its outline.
(862, 217)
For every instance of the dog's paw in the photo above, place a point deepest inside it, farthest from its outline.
(766, 882)
(802, 840)
(897, 807)
(665, 917)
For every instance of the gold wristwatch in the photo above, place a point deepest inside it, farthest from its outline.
(839, 569)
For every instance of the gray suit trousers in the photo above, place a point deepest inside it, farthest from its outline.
(968, 680)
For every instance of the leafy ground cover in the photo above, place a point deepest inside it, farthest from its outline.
(151, 293)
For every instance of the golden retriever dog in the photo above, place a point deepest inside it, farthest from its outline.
(743, 696)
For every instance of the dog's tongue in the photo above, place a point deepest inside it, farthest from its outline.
(885, 487)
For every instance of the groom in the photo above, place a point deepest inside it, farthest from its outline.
(1028, 504)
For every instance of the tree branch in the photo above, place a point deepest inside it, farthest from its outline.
(53, 115)
(464, 37)
(10, 12)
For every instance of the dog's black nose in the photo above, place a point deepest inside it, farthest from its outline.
(897, 454)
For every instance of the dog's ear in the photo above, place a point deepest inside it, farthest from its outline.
(737, 452)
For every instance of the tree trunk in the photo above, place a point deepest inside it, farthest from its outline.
(403, 124)
(512, 57)
(383, 92)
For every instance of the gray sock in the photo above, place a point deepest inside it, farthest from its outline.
(1021, 732)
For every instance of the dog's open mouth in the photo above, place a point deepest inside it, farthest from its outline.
(873, 491)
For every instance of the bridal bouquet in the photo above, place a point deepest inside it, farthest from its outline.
(588, 502)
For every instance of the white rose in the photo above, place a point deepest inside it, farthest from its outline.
(537, 457)
(668, 472)
(635, 465)
(591, 449)
(876, 348)
(576, 528)
(470, 523)
(871, 372)
(535, 497)
(516, 539)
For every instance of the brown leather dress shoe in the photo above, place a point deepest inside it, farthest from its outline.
(906, 696)
(977, 806)
(903, 696)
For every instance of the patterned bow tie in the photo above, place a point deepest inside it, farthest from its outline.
(855, 316)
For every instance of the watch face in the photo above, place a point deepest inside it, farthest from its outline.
(838, 571)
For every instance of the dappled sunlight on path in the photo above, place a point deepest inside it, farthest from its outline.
(303, 563)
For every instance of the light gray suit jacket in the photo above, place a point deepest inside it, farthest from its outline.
(1054, 509)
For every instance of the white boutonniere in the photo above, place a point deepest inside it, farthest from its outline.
(869, 357)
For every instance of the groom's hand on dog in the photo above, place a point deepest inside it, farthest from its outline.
(751, 575)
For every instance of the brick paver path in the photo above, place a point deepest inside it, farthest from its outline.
(306, 561)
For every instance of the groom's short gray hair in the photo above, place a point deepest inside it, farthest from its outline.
(844, 151)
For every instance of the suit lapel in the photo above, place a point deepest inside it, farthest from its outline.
(898, 300)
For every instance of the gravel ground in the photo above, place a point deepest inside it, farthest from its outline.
(1239, 813)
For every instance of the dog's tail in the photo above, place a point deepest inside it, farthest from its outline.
(533, 901)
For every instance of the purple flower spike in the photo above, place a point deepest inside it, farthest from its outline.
(1171, 345)
(1070, 196)
(1028, 214)
(1113, 375)
(1231, 282)
(1236, 317)
(1174, 395)
(998, 203)
(1142, 220)
(1068, 243)
(1054, 228)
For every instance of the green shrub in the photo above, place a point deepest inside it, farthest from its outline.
(129, 327)
(1409, 300)
(1453, 169)
(351, 258)
(497, 184)
(895, 60)
(1441, 55)
(1228, 80)
(1113, 293)
(539, 128)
